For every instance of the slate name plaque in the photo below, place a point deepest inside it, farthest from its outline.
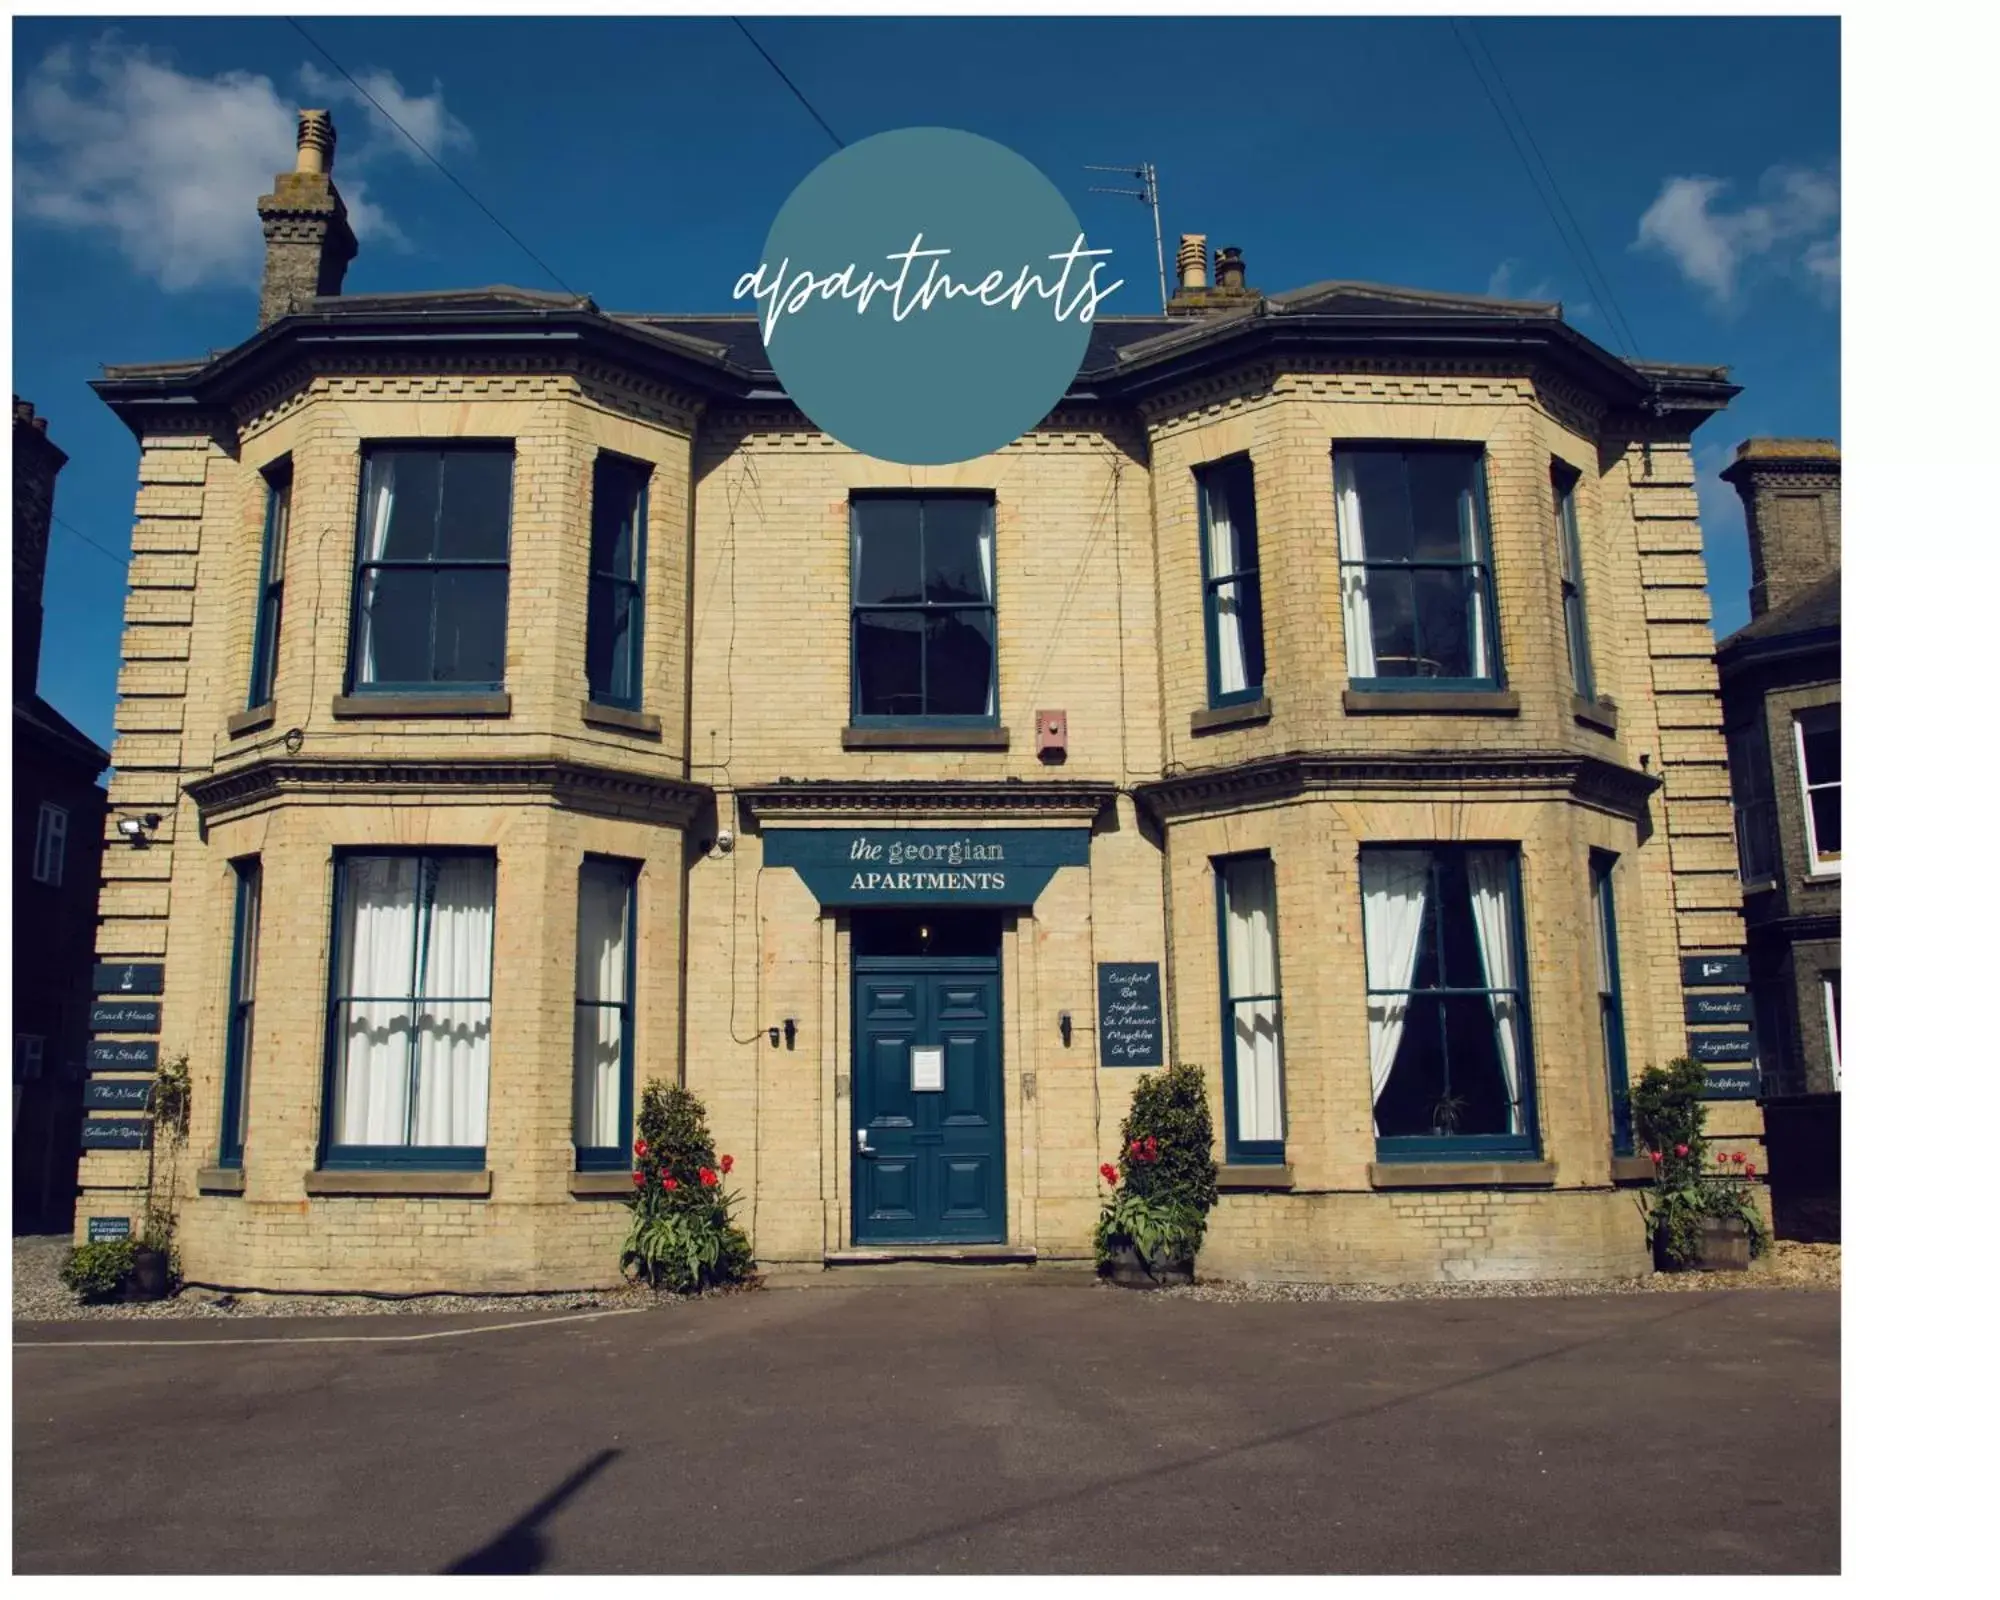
(1712, 1047)
(1719, 1008)
(128, 977)
(117, 1133)
(100, 1228)
(118, 1094)
(1710, 972)
(124, 1055)
(1731, 1083)
(125, 1016)
(1129, 1028)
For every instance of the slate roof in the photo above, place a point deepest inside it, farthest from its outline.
(49, 728)
(1813, 610)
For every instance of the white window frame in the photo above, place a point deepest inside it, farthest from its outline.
(29, 1052)
(1814, 865)
(51, 844)
(1829, 991)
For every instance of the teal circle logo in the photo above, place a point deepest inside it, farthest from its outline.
(926, 296)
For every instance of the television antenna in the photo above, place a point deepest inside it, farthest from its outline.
(1147, 194)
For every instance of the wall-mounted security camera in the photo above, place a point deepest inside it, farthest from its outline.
(725, 841)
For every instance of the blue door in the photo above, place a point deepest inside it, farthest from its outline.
(928, 1146)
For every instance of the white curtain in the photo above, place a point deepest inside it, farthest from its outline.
(1393, 885)
(1224, 559)
(1357, 617)
(1492, 914)
(1251, 954)
(1474, 547)
(602, 919)
(378, 941)
(986, 579)
(455, 1024)
(381, 504)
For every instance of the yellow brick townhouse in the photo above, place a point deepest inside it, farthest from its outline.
(522, 701)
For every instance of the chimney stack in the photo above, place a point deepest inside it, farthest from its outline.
(307, 240)
(1195, 297)
(1791, 503)
(1229, 268)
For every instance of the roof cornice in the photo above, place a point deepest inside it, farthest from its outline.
(941, 799)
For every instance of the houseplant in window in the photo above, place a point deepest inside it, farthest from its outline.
(1160, 1193)
(681, 1239)
(1698, 1217)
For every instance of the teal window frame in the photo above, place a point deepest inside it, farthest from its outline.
(1523, 1146)
(614, 1158)
(242, 1009)
(855, 510)
(335, 1157)
(1563, 480)
(631, 481)
(1246, 581)
(1482, 569)
(271, 583)
(1610, 999)
(1236, 1151)
(372, 452)
(1753, 798)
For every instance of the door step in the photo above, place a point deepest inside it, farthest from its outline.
(979, 1255)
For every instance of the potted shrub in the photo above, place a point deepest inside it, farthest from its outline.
(1163, 1187)
(98, 1271)
(1699, 1218)
(681, 1240)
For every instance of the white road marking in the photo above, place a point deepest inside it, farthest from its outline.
(315, 1338)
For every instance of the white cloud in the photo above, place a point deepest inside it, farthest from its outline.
(1792, 228)
(1501, 285)
(116, 140)
(423, 116)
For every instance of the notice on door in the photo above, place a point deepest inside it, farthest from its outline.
(926, 1068)
(1130, 1032)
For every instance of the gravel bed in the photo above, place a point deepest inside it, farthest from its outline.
(1787, 1266)
(39, 1296)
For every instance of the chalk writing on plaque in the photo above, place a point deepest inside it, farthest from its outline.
(1129, 1028)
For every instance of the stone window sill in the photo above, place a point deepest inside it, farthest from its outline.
(853, 738)
(1444, 703)
(1600, 715)
(599, 1185)
(1461, 1174)
(639, 722)
(394, 1181)
(1211, 719)
(250, 721)
(1632, 1169)
(219, 1180)
(1251, 1177)
(423, 705)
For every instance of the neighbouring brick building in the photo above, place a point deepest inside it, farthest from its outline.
(58, 837)
(1324, 693)
(1780, 677)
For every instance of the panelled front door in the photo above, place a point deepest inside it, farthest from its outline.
(928, 1137)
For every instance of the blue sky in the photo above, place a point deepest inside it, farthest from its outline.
(644, 159)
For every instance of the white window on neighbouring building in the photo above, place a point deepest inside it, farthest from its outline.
(1819, 779)
(1829, 985)
(51, 844)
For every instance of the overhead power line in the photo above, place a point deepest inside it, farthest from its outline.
(123, 561)
(1579, 246)
(418, 144)
(839, 142)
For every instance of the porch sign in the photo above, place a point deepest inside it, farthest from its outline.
(926, 866)
(1129, 1030)
(117, 1133)
(1712, 972)
(118, 1094)
(1719, 1008)
(1731, 1083)
(1709, 1048)
(128, 977)
(98, 1229)
(125, 1016)
(124, 1055)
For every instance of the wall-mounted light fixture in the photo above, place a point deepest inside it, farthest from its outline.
(791, 1033)
(137, 831)
(1062, 1022)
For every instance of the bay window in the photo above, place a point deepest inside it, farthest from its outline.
(1416, 574)
(1252, 1052)
(1448, 1038)
(1231, 591)
(1819, 781)
(613, 632)
(602, 1056)
(271, 583)
(242, 1009)
(1569, 547)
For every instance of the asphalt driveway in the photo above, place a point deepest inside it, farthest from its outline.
(959, 1427)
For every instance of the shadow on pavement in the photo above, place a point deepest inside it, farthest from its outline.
(519, 1547)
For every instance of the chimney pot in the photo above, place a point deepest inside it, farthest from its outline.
(1229, 268)
(1192, 260)
(316, 141)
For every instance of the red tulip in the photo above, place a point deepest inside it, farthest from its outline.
(1680, 1149)
(639, 1149)
(1750, 1170)
(668, 1183)
(1655, 1155)
(1109, 1173)
(728, 1162)
(708, 1178)
(639, 1178)
(1737, 1158)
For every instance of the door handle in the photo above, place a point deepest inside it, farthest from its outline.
(861, 1143)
